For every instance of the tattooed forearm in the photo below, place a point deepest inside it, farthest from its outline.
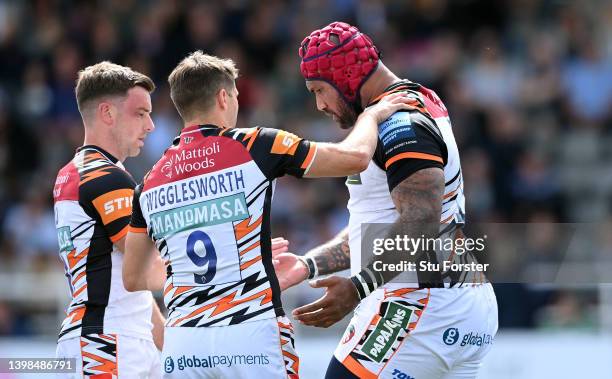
(418, 199)
(333, 256)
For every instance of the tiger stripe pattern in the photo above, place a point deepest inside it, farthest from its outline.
(99, 352)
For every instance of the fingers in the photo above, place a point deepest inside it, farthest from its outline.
(319, 321)
(279, 240)
(322, 313)
(279, 250)
(321, 318)
(394, 97)
(401, 99)
(279, 245)
(325, 282)
(397, 95)
(323, 302)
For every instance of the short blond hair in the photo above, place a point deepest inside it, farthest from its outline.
(195, 81)
(108, 79)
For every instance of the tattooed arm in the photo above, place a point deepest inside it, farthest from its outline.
(418, 199)
(333, 256)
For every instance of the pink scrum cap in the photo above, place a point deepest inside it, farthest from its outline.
(340, 55)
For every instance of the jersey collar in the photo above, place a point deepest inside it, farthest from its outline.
(401, 85)
(99, 150)
(193, 128)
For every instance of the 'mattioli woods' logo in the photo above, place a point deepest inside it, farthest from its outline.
(167, 168)
(190, 160)
(114, 205)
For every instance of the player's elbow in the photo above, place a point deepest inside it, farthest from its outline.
(129, 281)
(364, 161)
(129, 285)
(361, 160)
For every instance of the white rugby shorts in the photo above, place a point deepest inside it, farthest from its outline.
(257, 349)
(437, 333)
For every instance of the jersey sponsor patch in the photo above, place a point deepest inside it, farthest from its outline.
(388, 328)
(395, 128)
(114, 205)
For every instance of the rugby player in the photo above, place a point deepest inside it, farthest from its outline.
(206, 206)
(413, 183)
(110, 332)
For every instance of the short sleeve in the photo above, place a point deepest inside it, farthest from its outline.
(108, 195)
(278, 152)
(138, 224)
(409, 142)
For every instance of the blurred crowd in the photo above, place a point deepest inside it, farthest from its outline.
(528, 84)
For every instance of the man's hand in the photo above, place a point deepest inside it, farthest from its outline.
(290, 270)
(339, 300)
(388, 105)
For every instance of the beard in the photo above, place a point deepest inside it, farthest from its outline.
(347, 116)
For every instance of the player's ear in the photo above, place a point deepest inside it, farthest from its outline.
(222, 98)
(106, 112)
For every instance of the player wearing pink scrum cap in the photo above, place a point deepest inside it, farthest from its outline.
(341, 56)
(418, 317)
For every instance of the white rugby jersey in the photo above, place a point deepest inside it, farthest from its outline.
(206, 205)
(408, 142)
(92, 195)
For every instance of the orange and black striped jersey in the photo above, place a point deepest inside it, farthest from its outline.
(408, 141)
(206, 205)
(93, 203)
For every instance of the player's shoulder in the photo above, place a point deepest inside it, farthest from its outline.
(407, 123)
(240, 134)
(66, 183)
(260, 138)
(99, 173)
